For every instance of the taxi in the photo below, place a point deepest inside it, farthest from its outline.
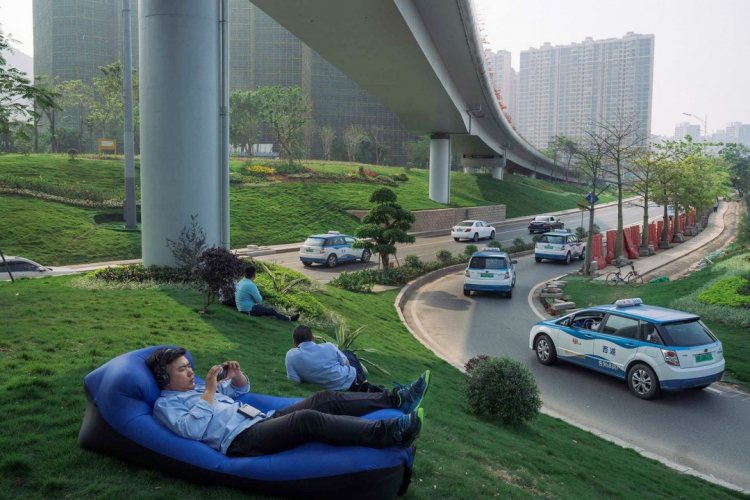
(559, 245)
(652, 348)
(490, 270)
(330, 249)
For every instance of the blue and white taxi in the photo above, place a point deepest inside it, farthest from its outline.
(652, 348)
(330, 249)
(490, 270)
(559, 245)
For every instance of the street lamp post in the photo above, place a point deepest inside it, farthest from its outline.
(705, 125)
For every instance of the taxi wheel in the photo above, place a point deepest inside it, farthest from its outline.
(583, 254)
(332, 260)
(492, 235)
(642, 381)
(545, 350)
(567, 259)
(455, 239)
(509, 294)
(467, 292)
(476, 237)
(366, 256)
(538, 259)
(306, 264)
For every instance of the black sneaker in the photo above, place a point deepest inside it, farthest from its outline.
(408, 428)
(410, 395)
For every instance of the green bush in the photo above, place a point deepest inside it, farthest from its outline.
(519, 243)
(535, 238)
(139, 274)
(444, 256)
(286, 169)
(400, 177)
(413, 260)
(235, 178)
(470, 250)
(358, 281)
(495, 244)
(743, 231)
(726, 292)
(502, 387)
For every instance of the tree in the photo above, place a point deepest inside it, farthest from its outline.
(737, 157)
(387, 224)
(378, 141)
(17, 94)
(418, 153)
(644, 170)
(75, 95)
(285, 110)
(589, 166)
(43, 108)
(107, 106)
(244, 123)
(353, 136)
(218, 268)
(563, 149)
(327, 135)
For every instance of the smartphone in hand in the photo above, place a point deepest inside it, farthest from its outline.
(223, 373)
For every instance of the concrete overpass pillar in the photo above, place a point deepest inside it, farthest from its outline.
(180, 98)
(440, 168)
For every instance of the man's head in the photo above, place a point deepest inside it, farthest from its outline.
(302, 333)
(171, 369)
(250, 272)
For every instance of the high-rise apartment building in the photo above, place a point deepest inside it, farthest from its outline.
(733, 131)
(687, 128)
(504, 78)
(73, 38)
(564, 88)
(744, 137)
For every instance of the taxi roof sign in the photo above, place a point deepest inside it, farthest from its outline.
(628, 302)
(333, 232)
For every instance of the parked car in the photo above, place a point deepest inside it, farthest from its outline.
(544, 223)
(25, 268)
(559, 245)
(472, 230)
(490, 270)
(330, 249)
(651, 348)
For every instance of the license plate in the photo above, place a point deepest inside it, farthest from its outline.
(548, 247)
(699, 358)
(486, 275)
(309, 250)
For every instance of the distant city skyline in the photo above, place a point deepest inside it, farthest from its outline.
(700, 62)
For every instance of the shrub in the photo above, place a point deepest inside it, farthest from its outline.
(470, 250)
(139, 274)
(294, 169)
(519, 243)
(502, 387)
(358, 281)
(495, 244)
(580, 233)
(72, 153)
(473, 362)
(726, 292)
(400, 177)
(189, 246)
(369, 173)
(413, 260)
(259, 169)
(235, 178)
(444, 256)
(218, 268)
(743, 231)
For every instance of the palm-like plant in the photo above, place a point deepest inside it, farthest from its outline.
(279, 281)
(344, 339)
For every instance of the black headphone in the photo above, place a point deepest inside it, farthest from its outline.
(162, 377)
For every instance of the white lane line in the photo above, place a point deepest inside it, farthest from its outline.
(717, 391)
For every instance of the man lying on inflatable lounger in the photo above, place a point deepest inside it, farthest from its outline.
(207, 412)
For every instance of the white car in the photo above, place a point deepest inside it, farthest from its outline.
(25, 268)
(559, 245)
(490, 270)
(651, 348)
(472, 230)
(330, 249)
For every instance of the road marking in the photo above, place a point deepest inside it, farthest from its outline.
(717, 391)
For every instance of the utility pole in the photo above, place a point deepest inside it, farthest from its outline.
(128, 128)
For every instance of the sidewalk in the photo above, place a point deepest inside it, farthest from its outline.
(649, 267)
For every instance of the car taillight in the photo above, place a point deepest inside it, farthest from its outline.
(507, 275)
(670, 357)
(322, 250)
(562, 247)
(467, 274)
(468, 230)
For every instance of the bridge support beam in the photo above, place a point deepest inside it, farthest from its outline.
(473, 163)
(180, 90)
(440, 168)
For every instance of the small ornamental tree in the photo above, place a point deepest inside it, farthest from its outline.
(218, 268)
(386, 224)
(189, 246)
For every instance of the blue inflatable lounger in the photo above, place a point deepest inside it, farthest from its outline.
(119, 422)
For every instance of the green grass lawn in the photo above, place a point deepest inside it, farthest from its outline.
(725, 322)
(54, 334)
(57, 234)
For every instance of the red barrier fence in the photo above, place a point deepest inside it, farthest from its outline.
(652, 236)
(629, 248)
(597, 252)
(681, 222)
(611, 236)
(659, 230)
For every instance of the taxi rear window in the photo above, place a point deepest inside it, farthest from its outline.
(314, 242)
(488, 263)
(551, 238)
(686, 334)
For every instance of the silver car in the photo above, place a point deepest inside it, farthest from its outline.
(24, 268)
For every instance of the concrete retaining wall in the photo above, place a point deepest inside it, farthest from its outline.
(444, 218)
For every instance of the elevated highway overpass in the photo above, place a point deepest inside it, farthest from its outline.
(422, 58)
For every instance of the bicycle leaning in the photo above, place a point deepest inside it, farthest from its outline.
(632, 278)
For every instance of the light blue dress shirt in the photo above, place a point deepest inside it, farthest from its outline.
(247, 295)
(189, 416)
(321, 364)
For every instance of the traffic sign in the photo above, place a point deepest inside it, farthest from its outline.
(589, 198)
(583, 204)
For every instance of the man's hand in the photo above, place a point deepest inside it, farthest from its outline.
(234, 373)
(211, 383)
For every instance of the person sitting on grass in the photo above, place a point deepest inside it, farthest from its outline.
(208, 412)
(249, 300)
(325, 365)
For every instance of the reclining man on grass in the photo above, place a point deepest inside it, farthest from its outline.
(209, 414)
(249, 301)
(325, 365)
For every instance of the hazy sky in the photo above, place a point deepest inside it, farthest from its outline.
(702, 57)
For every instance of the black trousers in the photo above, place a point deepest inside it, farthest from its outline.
(327, 417)
(259, 310)
(360, 383)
